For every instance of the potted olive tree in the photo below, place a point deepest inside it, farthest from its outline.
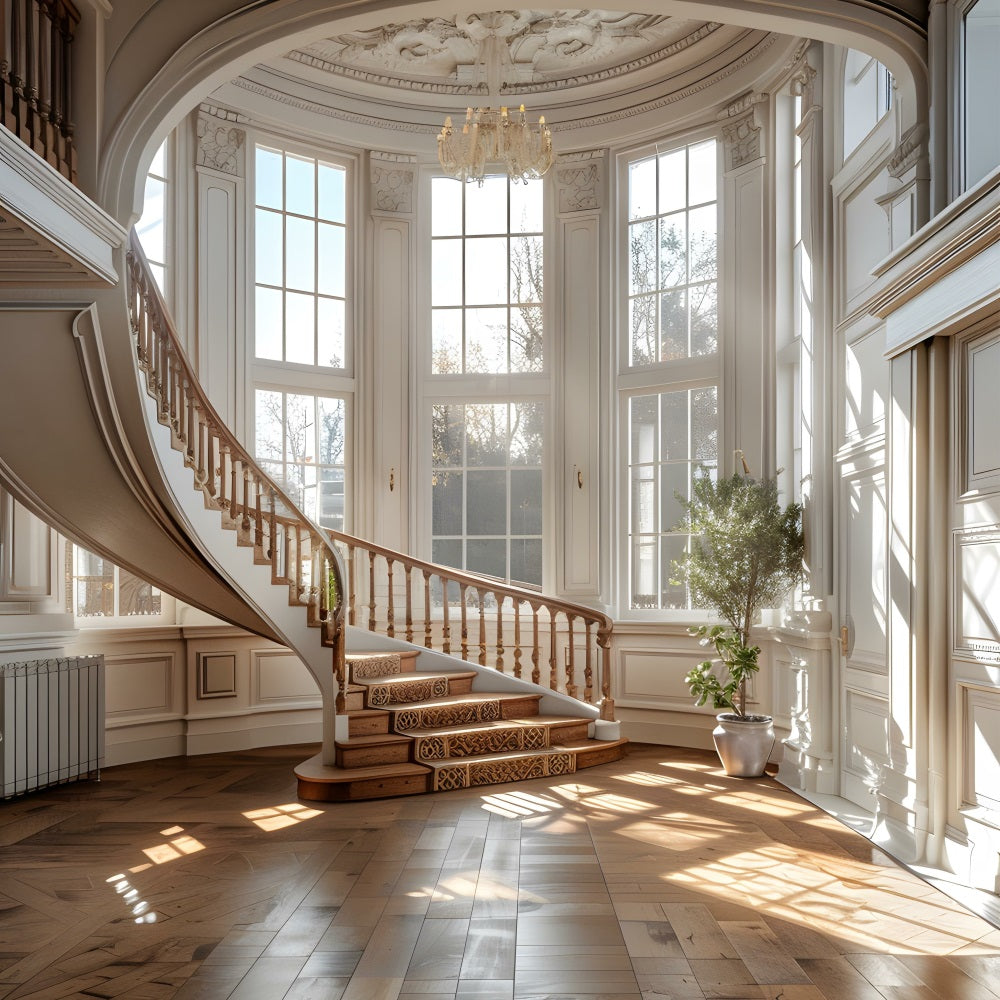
(745, 555)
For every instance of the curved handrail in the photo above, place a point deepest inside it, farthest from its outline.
(299, 551)
(474, 592)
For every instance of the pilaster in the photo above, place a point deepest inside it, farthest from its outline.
(580, 201)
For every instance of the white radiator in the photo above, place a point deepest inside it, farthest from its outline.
(51, 722)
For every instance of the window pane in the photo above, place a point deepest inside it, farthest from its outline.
(486, 502)
(487, 556)
(526, 339)
(446, 273)
(526, 207)
(486, 434)
(702, 240)
(331, 333)
(446, 503)
(150, 228)
(446, 341)
(137, 597)
(299, 430)
(486, 206)
(300, 254)
(702, 173)
(448, 552)
(704, 319)
(672, 595)
(526, 269)
(673, 250)
(332, 260)
(268, 324)
(269, 441)
(268, 178)
(447, 434)
(331, 431)
(674, 479)
(526, 502)
(486, 271)
(332, 499)
(268, 247)
(673, 190)
(526, 561)
(642, 189)
(446, 207)
(159, 164)
(642, 330)
(486, 340)
(705, 424)
(642, 257)
(332, 193)
(673, 325)
(300, 185)
(526, 433)
(300, 328)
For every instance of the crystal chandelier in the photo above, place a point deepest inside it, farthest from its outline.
(495, 139)
(492, 140)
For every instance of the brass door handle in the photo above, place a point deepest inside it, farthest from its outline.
(845, 640)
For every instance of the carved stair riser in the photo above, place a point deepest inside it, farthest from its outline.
(478, 742)
(503, 769)
(401, 691)
(365, 723)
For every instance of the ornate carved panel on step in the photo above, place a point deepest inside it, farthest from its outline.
(365, 667)
(481, 741)
(435, 716)
(468, 774)
(380, 695)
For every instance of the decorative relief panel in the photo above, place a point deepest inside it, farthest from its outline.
(365, 667)
(982, 443)
(434, 716)
(981, 748)
(579, 183)
(741, 131)
(977, 599)
(539, 50)
(380, 695)
(220, 142)
(392, 183)
(216, 675)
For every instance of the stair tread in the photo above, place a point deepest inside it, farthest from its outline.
(568, 747)
(315, 770)
(371, 740)
(413, 675)
(459, 699)
(469, 727)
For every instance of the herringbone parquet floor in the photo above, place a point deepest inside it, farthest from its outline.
(657, 876)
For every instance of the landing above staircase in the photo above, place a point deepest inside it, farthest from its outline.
(412, 732)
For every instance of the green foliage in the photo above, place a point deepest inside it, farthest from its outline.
(741, 664)
(746, 554)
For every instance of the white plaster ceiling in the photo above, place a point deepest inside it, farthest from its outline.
(597, 74)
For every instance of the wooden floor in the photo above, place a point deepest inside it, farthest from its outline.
(655, 876)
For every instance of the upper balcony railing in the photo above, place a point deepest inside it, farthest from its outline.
(36, 77)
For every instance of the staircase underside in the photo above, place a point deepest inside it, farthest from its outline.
(412, 732)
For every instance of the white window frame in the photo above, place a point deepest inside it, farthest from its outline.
(292, 377)
(960, 164)
(526, 387)
(664, 376)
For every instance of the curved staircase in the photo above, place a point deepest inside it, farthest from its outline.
(411, 732)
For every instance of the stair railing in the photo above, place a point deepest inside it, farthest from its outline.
(512, 621)
(524, 623)
(300, 555)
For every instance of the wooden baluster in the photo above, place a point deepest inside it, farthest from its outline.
(482, 627)
(409, 604)
(272, 531)
(314, 573)
(535, 669)
(588, 669)
(571, 665)
(390, 613)
(233, 500)
(45, 82)
(258, 520)
(6, 90)
(517, 637)
(352, 608)
(323, 570)
(445, 625)
(212, 471)
(465, 623)
(69, 167)
(340, 668)
(245, 523)
(428, 638)
(607, 702)
(500, 599)
(223, 477)
(553, 659)
(190, 430)
(298, 563)
(30, 75)
(371, 591)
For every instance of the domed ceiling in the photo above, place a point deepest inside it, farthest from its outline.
(598, 74)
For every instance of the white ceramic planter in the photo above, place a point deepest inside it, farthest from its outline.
(743, 744)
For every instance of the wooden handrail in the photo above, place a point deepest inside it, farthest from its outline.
(265, 517)
(474, 592)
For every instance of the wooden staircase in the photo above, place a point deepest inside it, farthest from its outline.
(412, 732)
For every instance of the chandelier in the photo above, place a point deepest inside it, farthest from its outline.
(491, 139)
(495, 139)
